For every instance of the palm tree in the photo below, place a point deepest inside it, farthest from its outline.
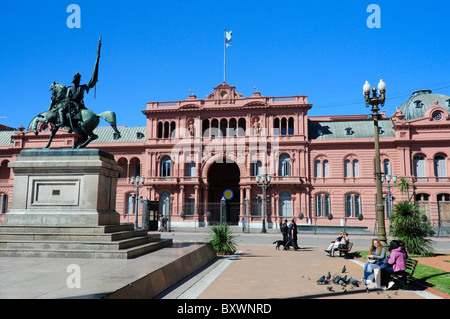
(404, 186)
(222, 239)
(407, 225)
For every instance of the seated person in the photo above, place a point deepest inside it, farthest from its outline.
(377, 256)
(340, 242)
(396, 265)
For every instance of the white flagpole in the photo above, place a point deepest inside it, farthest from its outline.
(225, 55)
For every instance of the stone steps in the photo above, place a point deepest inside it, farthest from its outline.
(6, 229)
(88, 253)
(29, 236)
(56, 244)
(116, 241)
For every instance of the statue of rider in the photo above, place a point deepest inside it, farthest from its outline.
(74, 102)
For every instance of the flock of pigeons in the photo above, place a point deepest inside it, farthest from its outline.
(341, 280)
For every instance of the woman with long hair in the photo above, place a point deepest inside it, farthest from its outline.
(377, 255)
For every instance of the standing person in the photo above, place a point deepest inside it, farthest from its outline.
(294, 231)
(284, 232)
(377, 255)
(290, 233)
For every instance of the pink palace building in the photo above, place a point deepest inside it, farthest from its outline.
(201, 159)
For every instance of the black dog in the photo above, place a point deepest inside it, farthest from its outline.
(280, 243)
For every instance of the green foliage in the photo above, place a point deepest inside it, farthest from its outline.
(407, 225)
(404, 186)
(222, 239)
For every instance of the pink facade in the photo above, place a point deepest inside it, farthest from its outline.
(192, 151)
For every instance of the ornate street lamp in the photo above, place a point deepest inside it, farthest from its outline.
(136, 180)
(375, 101)
(263, 181)
(388, 186)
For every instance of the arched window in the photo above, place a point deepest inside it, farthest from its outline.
(232, 130)
(223, 127)
(283, 126)
(419, 166)
(242, 127)
(285, 209)
(352, 205)
(166, 130)
(318, 169)
(164, 203)
(173, 126)
(322, 205)
(206, 131)
(326, 169)
(130, 204)
(276, 126)
(135, 167)
(351, 168)
(387, 167)
(284, 165)
(160, 129)
(5, 171)
(124, 164)
(355, 168)
(166, 167)
(440, 167)
(291, 126)
(347, 168)
(423, 200)
(444, 206)
(321, 168)
(214, 128)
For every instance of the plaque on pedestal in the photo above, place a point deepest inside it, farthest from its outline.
(64, 187)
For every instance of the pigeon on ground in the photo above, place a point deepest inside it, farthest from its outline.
(344, 269)
(321, 280)
(354, 282)
(336, 279)
(329, 276)
(330, 288)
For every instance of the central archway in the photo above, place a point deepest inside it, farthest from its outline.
(222, 176)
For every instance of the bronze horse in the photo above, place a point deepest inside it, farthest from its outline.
(84, 126)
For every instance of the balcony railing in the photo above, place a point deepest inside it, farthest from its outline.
(431, 179)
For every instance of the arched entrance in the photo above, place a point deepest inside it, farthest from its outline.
(224, 176)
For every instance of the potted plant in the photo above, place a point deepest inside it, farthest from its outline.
(222, 239)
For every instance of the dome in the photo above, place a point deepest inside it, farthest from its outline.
(422, 100)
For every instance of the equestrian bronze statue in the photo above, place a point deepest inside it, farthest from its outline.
(67, 110)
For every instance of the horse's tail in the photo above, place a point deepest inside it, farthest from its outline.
(110, 117)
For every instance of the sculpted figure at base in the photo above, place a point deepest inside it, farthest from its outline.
(67, 110)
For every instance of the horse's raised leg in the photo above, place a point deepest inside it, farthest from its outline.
(38, 120)
(54, 130)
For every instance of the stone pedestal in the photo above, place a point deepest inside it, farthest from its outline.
(65, 188)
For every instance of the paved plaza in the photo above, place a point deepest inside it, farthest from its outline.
(257, 271)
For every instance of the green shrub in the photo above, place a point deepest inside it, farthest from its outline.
(222, 239)
(407, 225)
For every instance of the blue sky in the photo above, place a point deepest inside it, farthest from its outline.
(159, 50)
